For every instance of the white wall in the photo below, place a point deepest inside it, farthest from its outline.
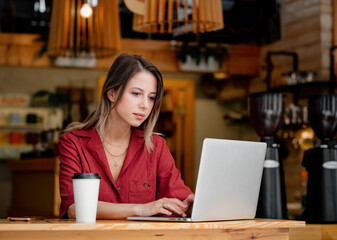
(210, 123)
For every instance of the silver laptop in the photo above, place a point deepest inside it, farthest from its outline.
(228, 182)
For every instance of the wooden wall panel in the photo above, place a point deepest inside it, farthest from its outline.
(21, 49)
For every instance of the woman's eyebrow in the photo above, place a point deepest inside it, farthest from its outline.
(140, 89)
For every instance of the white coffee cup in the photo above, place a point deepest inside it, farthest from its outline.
(86, 188)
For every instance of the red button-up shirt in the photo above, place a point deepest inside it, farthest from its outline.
(144, 176)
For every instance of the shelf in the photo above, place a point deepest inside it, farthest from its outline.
(304, 90)
(22, 126)
(47, 118)
(14, 151)
(298, 87)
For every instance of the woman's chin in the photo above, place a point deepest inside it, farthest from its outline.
(136, 125)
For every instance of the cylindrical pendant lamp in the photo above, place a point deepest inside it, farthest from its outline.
(169, 16)
(76, 30)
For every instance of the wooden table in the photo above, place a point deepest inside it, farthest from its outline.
(123, 229)
(314, 232)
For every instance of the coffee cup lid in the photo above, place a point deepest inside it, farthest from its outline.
(86, 176)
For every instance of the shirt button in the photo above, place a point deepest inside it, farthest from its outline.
(145, 185)
(149, 184)
(118, 196)
(119, 188)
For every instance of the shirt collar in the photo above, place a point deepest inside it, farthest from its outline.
(90, 132)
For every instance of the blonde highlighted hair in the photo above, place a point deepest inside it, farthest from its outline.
(122, 70)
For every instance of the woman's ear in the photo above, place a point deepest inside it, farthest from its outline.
(111, 95)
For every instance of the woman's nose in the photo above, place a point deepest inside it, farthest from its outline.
(144, 103)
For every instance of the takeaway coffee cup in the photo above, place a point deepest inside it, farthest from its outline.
(86, 187)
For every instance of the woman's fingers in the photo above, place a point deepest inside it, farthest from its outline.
(165, 206)
(189, 202)
(175, 201)
(174, 206)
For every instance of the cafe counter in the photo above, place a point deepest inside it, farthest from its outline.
(123, 229)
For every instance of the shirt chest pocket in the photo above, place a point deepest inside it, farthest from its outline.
(142, 191)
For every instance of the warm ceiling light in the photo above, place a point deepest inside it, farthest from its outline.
(220, 75)
(86, 10)
(72, 35)
(168, 16)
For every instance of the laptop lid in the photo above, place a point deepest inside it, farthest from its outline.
(229, 179)
(228, 183)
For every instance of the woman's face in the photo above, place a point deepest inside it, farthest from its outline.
(137, 100)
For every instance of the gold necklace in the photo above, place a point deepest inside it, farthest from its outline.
(116, 156)
(108, 151)
(103, 139)
(115, 145)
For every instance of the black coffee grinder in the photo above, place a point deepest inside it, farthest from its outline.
(266, 114)
(321, 161)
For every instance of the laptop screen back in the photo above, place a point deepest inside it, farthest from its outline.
(229, 180)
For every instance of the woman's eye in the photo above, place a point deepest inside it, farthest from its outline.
(135, 93)
(152, 98)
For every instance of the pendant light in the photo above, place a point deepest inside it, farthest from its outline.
(170, 16)
(84, 29)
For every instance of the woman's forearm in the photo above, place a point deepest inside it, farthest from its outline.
(106, 210)
(165, 206)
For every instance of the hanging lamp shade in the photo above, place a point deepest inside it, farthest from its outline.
(169, 16)
(97, 35)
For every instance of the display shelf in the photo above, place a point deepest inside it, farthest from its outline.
(46, 118)
(303, 86)
(13, 152)
(300, 90)
(22, 126)
(303, 90)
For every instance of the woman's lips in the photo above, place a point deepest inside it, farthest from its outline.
(139, 116)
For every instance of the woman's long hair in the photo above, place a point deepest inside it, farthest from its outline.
(122, 70)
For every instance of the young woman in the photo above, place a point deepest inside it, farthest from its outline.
(138, 173)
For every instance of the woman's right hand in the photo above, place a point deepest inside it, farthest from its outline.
(164, 206)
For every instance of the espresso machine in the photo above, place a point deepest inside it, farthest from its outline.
(321, 161)
(266, 112)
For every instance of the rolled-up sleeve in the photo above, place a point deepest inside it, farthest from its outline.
(69, 164)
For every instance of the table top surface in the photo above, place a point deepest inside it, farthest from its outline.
(62, 225)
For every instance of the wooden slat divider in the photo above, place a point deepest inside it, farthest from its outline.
(100, 26)
(71, 38)
(66, 25)
(106, 24)
(201, 16)
(161, 16)
(116, 27)
(62, 31)
(96, 28)
(177, 12)
(78, 26)
(59, 27)
(90, 34)
(146, 16)
(52, 35)
(195, 17)
(170, 15)
(153, 11)
(83, 33)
